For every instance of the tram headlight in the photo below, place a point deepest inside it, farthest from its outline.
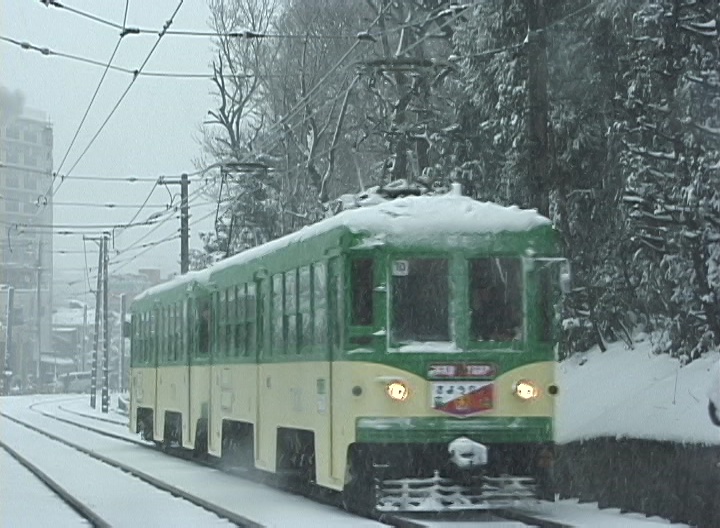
(526, 390)
(397, 390)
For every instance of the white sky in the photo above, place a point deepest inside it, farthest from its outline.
(154, 131)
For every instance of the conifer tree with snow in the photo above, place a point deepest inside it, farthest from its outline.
(671, 162)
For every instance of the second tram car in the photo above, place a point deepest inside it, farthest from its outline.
(402, 353)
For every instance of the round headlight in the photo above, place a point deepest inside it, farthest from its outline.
(526, 390)
(397, 390)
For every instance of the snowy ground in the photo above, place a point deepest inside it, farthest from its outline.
(621, 393)
(632, 393)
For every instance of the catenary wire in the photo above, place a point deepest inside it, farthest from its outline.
(122, 97)
(92, 99)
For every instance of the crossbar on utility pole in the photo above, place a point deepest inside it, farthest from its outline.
(184, 182)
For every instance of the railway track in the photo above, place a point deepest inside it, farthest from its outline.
(92, 483)
(82, 511)
(506, 518)
(212, 493)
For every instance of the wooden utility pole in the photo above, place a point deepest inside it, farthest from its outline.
(106, 328)
(538, 133)
(38, 316)
(121, 368)
(93, 367)
(83, 349)
(184, 219)
(8, 368)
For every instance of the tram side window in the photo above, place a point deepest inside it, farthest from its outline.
(240, 311)
(221, 320)
(496, 299)
(205, 329)
(547, 304)
(230, 322)
(305, 329)
(251, 308)
(361, 276)
(159, 335)
(168, 333)
(136, 343)
(420, 300)
(173, 333)
(188, 328)
(278, 332)
(178, 332)
(147, 336)
(142, 330)
(291, 318)
(153, 336)
(320, 317)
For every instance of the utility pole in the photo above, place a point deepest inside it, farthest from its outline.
(538, 133)
(184, 219)
(121, 368)
(8, 367)
(93, 365)
(106, 328)
(38, 316)
(84, 340)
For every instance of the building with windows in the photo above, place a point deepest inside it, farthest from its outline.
(26, 244)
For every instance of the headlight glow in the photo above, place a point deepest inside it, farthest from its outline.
(526, 390)
(397, 390)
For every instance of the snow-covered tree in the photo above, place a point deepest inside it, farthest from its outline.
(671, 160)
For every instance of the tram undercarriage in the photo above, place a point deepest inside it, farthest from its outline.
(460, 475)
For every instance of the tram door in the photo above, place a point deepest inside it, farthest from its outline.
(261, 285)
(336, 319)
(201, 330)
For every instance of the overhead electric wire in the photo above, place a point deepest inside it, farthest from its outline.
(161, 34)
(147, 198)
(298, 107)
(197, 33)
(128, 71)
(84, 14)
(92, 99)
(25, 225)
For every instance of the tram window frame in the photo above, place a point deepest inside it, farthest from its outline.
(251, 318)
(153, 336)
(221, 321)
(506, 302)
(206, 321)
(240, 310)
(407, 271)
(320, 304)
(277, 341)
(146, 336)
(177, 337)
(362, 285)
(231, 315)
(168, 333)
(305, 308)
(291, 312)
(160, 346)
(179, 331)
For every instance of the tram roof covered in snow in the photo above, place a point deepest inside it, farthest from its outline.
(448, 218)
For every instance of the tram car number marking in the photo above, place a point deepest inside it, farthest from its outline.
(462, 398)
